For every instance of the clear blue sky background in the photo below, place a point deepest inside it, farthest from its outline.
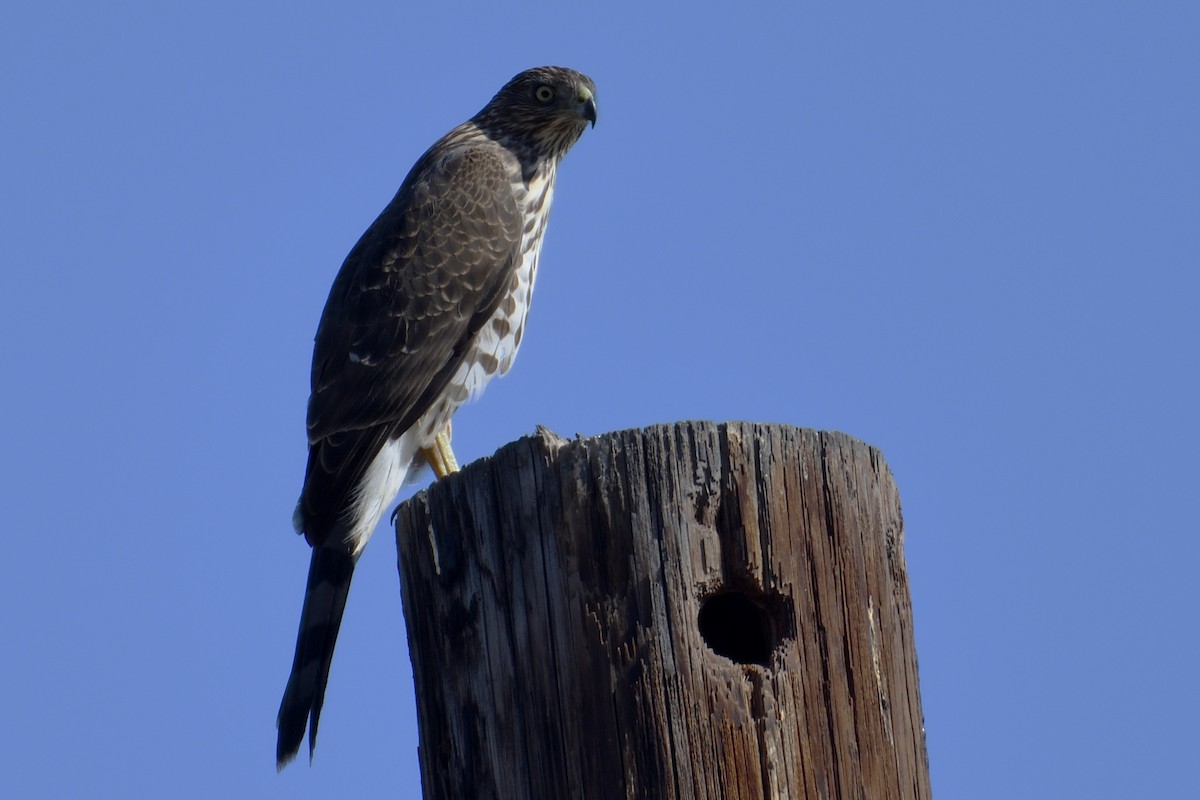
(964, 232)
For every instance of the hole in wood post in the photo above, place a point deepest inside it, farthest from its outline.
(737, 627)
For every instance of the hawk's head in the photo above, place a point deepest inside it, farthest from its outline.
(543, 110)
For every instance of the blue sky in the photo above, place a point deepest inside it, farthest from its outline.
(966, 233)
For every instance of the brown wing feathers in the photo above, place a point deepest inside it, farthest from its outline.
(416, 289)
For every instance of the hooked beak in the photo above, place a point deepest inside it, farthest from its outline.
(585, 105)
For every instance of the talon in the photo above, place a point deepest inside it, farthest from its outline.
(441, 456)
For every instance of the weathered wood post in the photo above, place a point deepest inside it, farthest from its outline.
(688, 611)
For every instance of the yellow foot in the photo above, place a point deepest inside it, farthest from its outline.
(441, 455)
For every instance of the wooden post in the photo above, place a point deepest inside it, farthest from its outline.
(688, 611)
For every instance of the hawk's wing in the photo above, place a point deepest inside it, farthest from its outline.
(410, 297)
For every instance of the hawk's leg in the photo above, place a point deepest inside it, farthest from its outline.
(441, 455)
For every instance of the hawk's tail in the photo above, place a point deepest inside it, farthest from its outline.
(329, 575)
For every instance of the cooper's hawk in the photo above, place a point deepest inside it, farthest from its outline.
(427, 308)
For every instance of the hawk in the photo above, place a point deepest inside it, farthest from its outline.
(426, 309)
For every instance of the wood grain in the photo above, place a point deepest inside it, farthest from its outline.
(554, 595)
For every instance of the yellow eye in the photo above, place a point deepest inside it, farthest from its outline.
(544, 94)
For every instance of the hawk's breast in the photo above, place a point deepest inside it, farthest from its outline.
(495, 346)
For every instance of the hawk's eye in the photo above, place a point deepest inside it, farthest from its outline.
(544, 94)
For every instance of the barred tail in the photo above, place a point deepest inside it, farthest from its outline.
(329, 575)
